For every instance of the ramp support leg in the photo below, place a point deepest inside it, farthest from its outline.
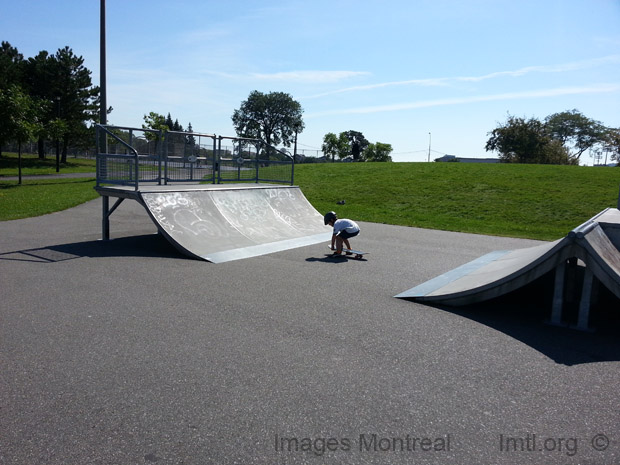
(586, 298)
(105, 218)
(558, 295)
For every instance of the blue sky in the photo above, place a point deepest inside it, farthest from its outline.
(396, 70)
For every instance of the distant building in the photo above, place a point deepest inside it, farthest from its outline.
(454, 158)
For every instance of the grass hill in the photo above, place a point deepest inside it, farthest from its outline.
(529, 201)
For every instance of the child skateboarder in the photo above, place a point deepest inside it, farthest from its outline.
(344, 230)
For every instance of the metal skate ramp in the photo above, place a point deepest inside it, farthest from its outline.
(596, 243)
(220, 223)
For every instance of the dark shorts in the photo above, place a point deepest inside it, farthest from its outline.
(347, 235)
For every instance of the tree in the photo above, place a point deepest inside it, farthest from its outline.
(62, 86)
(191, 140)
(274, 118)
(347, 143)
(158, 123)
(575, 131)
(19, 114)
(11, 66)
(378, 152)
(335, 145)
(169, 123)
(38, 76)
(63, 82)
(155, 121)
(11, 70)
(612, 144)
(75, 95)
(526, 141)
(357, 143)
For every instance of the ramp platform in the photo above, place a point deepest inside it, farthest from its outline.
(596, 243)
(224, 222)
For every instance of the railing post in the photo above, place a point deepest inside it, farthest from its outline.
(257, 160)
(219, 158)
(293, 169)
(102, 148)
(162, 155)
(136, 170)
(213, 166)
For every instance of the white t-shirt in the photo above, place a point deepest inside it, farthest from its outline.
(346, 225)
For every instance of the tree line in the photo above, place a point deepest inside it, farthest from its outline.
(561, 139)
(352, 145)
(48, 97)
(277, 118)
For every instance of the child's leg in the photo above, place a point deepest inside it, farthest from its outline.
(338, 244)
(346, 243)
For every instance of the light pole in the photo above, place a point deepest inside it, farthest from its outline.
(429, 147)
(102, 65)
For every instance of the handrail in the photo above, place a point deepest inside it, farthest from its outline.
(125, 144)
(183, 133)
(114, 136)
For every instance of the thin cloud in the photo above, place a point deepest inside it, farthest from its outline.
(309, 76)
(561, 68)
(411, 82)
(446, 81)
(306, 77)
(545, 93)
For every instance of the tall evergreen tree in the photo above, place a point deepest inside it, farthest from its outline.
(169, 123)
(65, 84)
(191, 140)
(11, 66)
(76, 97)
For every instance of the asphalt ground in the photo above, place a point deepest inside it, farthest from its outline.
(126, 352)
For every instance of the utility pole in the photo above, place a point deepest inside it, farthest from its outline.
(429, 147)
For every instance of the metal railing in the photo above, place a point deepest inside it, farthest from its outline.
(130, 156)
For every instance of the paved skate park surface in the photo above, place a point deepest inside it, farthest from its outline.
(126, 352)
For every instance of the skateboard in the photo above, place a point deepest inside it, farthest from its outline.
(356, 254)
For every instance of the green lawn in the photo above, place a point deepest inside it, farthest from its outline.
(530, 201)
(32, 165)
(39, 197)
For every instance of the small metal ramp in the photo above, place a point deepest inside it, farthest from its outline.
(596, 243)
(220, 223)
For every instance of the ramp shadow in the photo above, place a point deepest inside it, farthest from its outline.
(524, 315)
(148, 245)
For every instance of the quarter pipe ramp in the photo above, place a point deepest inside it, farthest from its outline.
(220, 223)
